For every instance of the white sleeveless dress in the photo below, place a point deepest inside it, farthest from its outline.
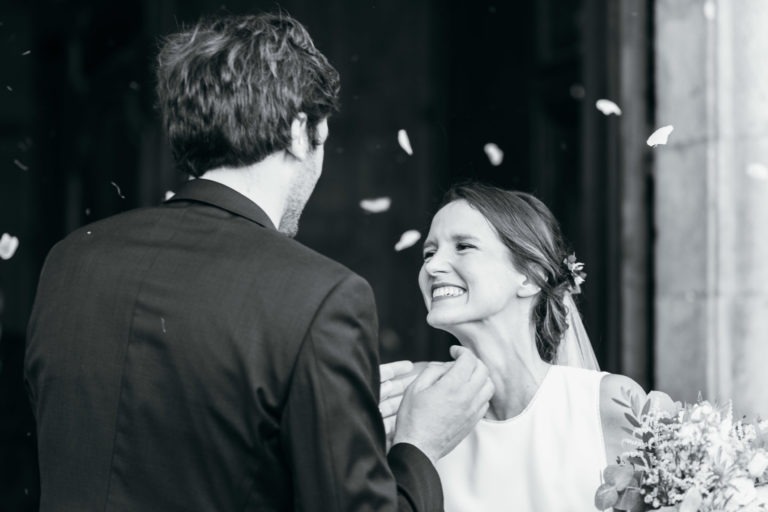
(549, 458)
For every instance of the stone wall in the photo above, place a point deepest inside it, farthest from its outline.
(711, 203)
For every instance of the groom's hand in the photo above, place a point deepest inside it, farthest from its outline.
(395, 378)
(444, 404)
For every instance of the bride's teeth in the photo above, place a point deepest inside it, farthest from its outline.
(447, 291)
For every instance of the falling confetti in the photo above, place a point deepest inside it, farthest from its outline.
(87, 211)
(134, 85)
(162, 324)
(27, 52)
(407, 239)
(757, 171)
(21, 165)
(9, 88)
(494, 154)
(169, 194)
(660, 136)
(8, 246)
(607, 107)
(577, 91)
(376, 205)
(404, 141)
(118, 189)
(710, 11)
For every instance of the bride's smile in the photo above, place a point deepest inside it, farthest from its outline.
(467, 274)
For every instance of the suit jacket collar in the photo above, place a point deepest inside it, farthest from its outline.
(220, 196)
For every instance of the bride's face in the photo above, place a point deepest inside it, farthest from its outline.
(467, 275)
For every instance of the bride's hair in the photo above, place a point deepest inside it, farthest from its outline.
(532, 235)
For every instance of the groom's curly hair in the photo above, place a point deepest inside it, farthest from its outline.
(229, 88)
(533, 236)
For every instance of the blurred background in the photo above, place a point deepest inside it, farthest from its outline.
(673, 236)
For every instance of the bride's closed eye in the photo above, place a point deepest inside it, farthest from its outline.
(463, 246)
(428, 254)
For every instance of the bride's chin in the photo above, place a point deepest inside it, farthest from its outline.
(439, 323)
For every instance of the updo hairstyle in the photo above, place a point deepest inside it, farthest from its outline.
(532, 235)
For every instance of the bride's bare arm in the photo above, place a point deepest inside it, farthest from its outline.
(613, 415)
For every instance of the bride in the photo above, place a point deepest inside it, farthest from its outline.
(496, 275)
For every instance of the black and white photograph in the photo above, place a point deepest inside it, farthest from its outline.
(367, 255)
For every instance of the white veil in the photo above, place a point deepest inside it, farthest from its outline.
(575, 348)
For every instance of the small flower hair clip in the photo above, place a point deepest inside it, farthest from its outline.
(576, 274)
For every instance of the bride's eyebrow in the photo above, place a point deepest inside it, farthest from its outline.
(461, 237)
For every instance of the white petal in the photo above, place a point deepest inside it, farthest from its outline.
(117, 187)
(8, 246)
(757, 171)
(660, 136)
(169, 194)
(407, 239)
(710, 10)
(376, 205)
(495, 155)
(607, 107)
(405, 143)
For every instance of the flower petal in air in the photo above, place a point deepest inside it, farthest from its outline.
(494, 154)
(660, 136)
(710, 10)
(8, 246)
(407, 239)
(117, 188)
(376, 205)
(608, 107)
(404, 141)
(757, 171)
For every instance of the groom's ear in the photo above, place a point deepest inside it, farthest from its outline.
(299, 146)
(528, 289)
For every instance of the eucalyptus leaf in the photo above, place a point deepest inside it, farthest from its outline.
(606, 496)
(620, 475)
(632, 420)
(621, 402)
(631, 499)
(646, 407)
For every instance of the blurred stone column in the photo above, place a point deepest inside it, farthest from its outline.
(711, 207)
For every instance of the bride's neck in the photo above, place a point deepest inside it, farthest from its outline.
(514, 365)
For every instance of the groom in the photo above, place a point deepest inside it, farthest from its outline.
(193, 356)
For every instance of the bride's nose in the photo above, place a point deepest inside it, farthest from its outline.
(436, 264)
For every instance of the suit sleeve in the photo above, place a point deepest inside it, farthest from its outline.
(332, 429)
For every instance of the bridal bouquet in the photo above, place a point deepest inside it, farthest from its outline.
(688, 458)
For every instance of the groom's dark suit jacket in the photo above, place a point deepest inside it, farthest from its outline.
(190, 357)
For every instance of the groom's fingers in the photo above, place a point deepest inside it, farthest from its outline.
(390, 406)
(389, 426)
(430, 375)
(392, 388)
(464, 367)
(483, 397)
(389, 371)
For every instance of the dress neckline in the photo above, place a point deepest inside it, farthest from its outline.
(523, 413)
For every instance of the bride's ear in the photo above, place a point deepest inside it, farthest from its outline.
(528, 289)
